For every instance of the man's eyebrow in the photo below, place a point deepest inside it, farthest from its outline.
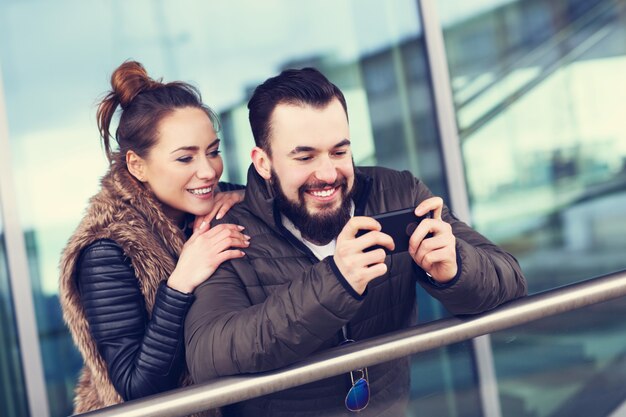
(345, 142)
(298, 149)
(195, 148)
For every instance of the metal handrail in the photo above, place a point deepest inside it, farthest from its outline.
(228, 390)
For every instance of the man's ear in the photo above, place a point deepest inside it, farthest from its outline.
(136, 165)
(262, 162)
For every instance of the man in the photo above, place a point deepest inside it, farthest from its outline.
(307, 282)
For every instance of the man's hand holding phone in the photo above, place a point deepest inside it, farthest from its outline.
(362, 246)
(437, 254)
(357, 265)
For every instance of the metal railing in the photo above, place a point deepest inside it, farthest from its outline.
(223, 391)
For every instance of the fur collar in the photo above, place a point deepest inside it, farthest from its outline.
(126, 212)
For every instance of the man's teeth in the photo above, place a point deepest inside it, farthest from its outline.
(323, 193)
(201, 191)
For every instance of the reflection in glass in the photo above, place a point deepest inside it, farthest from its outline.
(12, 393)
(538, 87)
(54, 74)
(444, 383)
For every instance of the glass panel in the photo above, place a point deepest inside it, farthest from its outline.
(538, 86)
(54, 74)
(444, 383)
(573, 364)
(560, 377)
(13, 401)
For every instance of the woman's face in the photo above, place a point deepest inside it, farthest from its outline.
(184, 166)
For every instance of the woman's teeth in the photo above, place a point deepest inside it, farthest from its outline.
(201, 191)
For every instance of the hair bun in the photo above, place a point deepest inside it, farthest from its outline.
(130, 79)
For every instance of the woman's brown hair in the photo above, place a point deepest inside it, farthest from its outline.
(144, 102)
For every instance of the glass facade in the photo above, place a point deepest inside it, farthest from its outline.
(444, 383)
(12, 390)
(536, 86)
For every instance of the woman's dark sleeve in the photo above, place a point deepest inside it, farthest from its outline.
(226, 186)
(143, 356)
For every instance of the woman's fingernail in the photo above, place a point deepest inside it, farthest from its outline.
(246, 237)
(240, 227)
(202, 225)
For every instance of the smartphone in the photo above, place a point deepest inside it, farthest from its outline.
(400, 225)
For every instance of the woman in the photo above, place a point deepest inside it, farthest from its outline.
(129, 271)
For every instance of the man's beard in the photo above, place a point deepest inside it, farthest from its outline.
(318, 228)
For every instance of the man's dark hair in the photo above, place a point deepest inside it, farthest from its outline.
(306, 86)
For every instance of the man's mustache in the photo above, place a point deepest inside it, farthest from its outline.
(320, 185)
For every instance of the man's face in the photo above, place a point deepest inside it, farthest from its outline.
(311, 167)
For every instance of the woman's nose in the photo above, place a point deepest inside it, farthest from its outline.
(206, 169)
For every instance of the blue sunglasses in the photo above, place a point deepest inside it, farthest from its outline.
(359, 394)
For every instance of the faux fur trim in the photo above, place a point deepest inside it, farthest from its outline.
(123, 211)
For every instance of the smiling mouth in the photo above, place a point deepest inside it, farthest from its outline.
(323, 193)
(201, 191)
